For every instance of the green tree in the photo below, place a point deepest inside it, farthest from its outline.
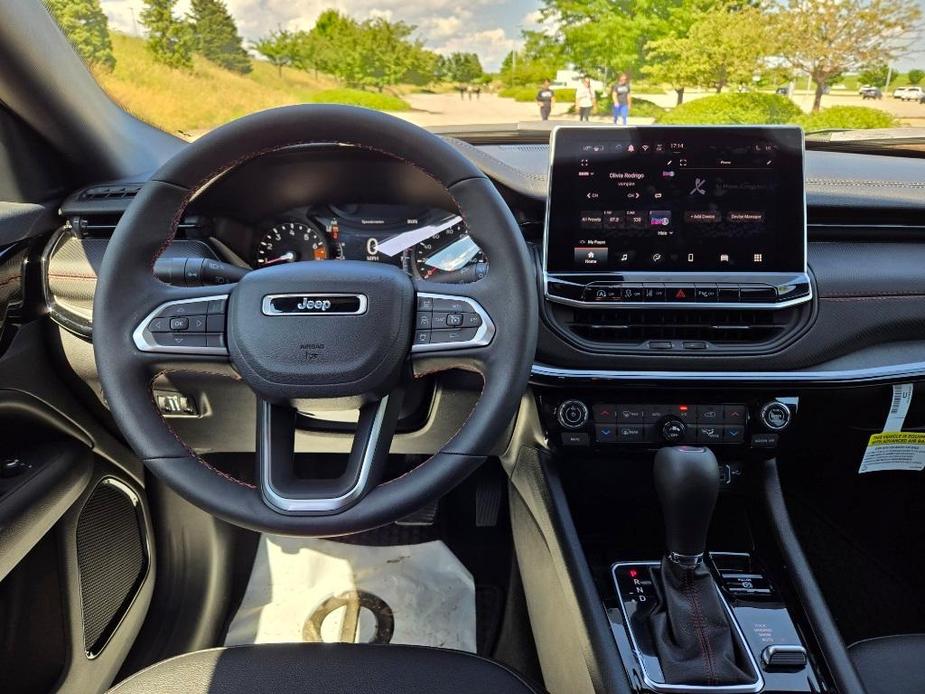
(874, 75)
(461, 67)
(388, 52)
(611, 36)
(170, 40)
(915, 76)
(374, 53)
(216, 35)
(86, 27)
(279, 48)
(337, 48)
(825, 39)
(725, 45)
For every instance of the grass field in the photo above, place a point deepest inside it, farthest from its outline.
(187, 102)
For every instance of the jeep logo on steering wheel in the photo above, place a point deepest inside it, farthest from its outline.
(313, 304)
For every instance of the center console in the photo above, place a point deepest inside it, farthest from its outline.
(668, 243)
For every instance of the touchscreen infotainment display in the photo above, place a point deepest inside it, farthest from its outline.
(676, 199)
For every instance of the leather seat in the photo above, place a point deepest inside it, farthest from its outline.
(299, 668)
(891, 664)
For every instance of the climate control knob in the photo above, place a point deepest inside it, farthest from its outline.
(673, 430)
(572, 414)
(775, 415)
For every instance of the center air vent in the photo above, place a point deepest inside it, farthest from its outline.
(656, 328)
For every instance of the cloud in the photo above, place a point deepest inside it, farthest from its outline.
(483, 26)
(441, 27)
(490, 44)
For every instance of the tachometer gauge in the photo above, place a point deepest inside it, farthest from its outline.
(449, 256)
(290, 242)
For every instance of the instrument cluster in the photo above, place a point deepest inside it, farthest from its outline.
(427, 243)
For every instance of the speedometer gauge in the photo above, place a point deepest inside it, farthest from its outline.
(449, 255)
(290, 242)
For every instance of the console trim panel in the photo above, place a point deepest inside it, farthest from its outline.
(750, 688)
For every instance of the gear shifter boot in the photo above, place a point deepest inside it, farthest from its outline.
(691, 630)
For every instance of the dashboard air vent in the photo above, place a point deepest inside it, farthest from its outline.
(112, 192)
(634, 327)
(102, 225)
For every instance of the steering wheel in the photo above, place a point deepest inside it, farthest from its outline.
(313, 334)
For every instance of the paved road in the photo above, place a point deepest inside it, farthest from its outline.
(449, 109)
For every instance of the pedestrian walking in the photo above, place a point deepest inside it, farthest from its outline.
(545, 98)
(585, 99)
(622, 99)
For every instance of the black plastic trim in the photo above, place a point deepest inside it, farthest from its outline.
(798, 569)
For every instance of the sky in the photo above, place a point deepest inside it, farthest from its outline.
(490, 28)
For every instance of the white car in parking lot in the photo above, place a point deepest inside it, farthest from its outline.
(909, 94)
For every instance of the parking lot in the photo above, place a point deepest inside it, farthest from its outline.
(449, 109)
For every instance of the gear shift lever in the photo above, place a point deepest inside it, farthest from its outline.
(691, 630)
(687, 483)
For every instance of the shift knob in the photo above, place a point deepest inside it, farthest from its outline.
(687, 483)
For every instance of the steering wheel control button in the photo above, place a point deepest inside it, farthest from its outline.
(573, 414)
(215, 323)
(180, 340)
(186, 326)
(450, 323)
(425, 303)
(422, 337)
(775, 416)
(472, 320)
(459, 336)
(451, 305)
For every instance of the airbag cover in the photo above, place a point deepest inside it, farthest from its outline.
(321, 329)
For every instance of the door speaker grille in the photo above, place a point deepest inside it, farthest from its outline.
(111, 558)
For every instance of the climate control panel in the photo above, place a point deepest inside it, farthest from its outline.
(584, 421)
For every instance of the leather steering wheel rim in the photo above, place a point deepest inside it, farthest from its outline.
(127, 292)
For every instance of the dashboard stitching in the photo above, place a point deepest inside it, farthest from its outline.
(477, 154)
(173, 433)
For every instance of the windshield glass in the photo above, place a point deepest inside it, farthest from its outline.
(187, 66)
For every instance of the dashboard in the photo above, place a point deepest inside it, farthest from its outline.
(862, 259)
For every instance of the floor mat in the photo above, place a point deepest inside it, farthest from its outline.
(318, 590)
